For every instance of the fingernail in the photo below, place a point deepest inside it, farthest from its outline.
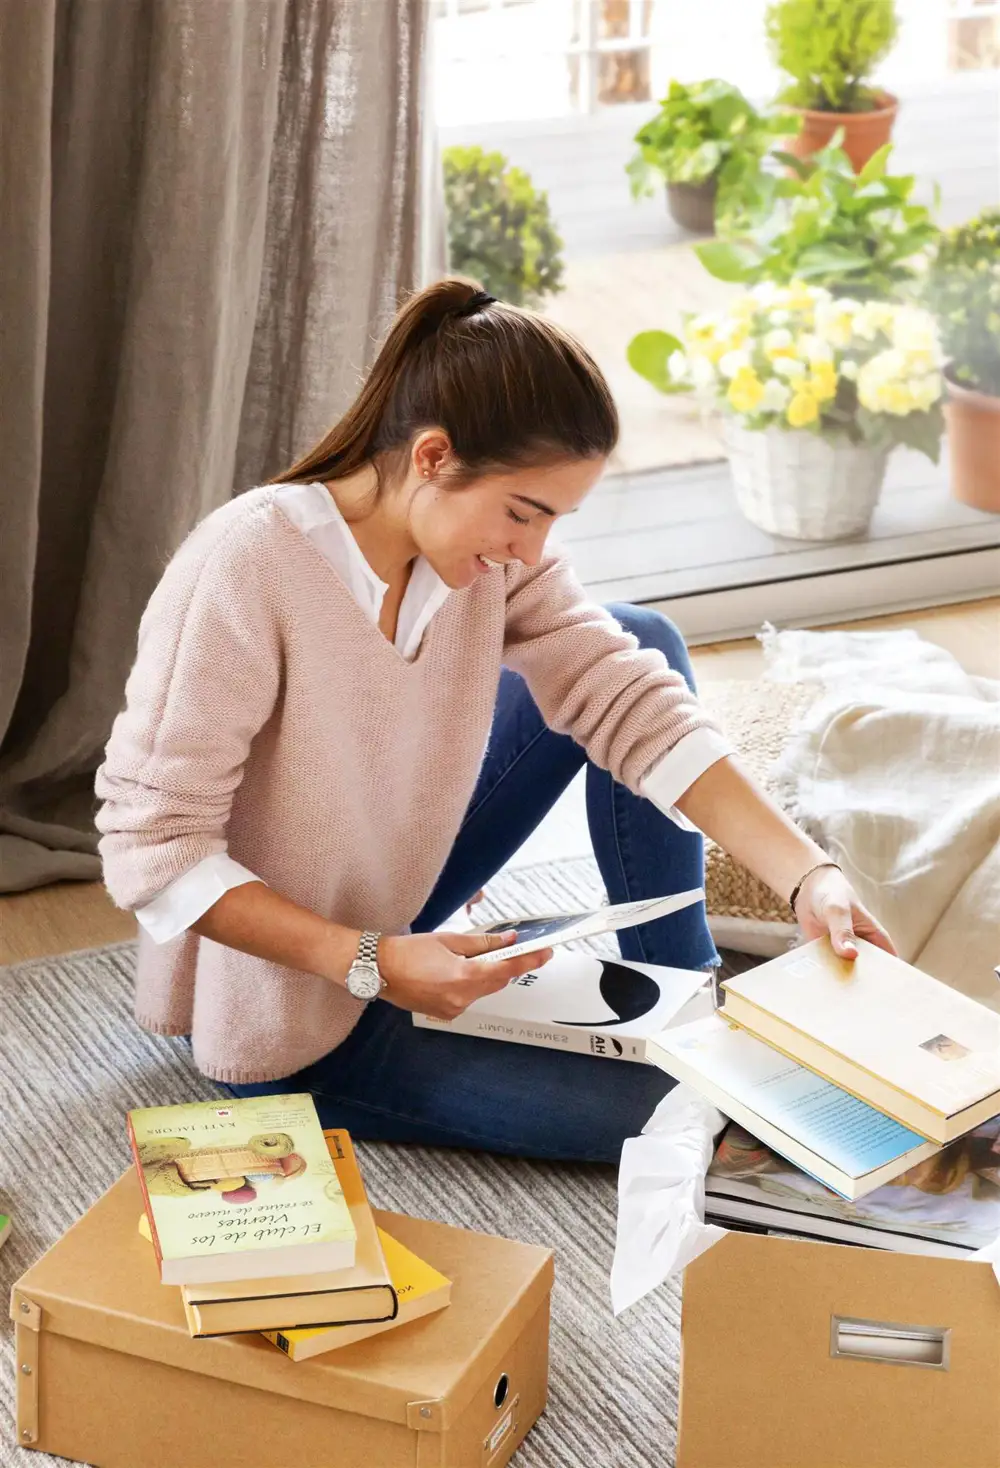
(850, 948)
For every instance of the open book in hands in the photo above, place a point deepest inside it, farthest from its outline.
(534, 934)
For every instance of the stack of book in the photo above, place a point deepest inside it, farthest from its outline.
(864, 1101)
(262, 1221)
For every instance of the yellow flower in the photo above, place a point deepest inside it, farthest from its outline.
(778, 343)
(745, 391)
(835, 321)
(802, 409)
(802, 297)
(823, 382)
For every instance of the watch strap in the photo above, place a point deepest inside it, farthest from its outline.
(368, 951)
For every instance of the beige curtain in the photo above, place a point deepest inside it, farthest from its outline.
(210, 212)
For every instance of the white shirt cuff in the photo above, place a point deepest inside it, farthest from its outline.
(188, 896)
(678, 769)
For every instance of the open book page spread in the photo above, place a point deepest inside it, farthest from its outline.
(239, 1176)
(536, 933)
(953, 1196)
(929, 1041)
(851, 1135)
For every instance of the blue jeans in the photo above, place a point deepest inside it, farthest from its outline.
(389, 1081)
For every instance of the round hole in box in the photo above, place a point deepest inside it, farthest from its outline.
(500, 1391)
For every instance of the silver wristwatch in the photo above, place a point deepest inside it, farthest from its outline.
(363, 978)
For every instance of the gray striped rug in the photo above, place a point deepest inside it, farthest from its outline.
(72, 1062)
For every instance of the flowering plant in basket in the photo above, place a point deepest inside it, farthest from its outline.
(785, 362)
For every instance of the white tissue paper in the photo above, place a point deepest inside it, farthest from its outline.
(661, 1196)
(990, 1254)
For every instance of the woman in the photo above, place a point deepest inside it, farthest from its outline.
(296, 794)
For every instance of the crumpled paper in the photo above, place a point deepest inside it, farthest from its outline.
(661, 1196)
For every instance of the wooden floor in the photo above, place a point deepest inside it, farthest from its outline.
(75, 915)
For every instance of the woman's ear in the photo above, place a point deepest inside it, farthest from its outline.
(430, 453)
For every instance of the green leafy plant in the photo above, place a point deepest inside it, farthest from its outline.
(702, 132)
(859, 234)
(500, 229)
(829, 48)
(962, 289)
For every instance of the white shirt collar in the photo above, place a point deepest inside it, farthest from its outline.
(314, 511)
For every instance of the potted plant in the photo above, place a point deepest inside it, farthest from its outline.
(858, 234)
(830, 48)
(703, 142)
(815, 392)
(963, 290)
(500, 230)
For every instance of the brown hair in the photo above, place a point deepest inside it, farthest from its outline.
(509, 387)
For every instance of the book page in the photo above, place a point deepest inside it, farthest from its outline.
(534, 934)
(852, 1136)
(931, 1042)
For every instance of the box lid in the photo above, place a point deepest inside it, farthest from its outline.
(99, 1284)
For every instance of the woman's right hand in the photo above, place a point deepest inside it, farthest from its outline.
(433, 973)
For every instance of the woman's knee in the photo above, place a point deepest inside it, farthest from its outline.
(652, 629)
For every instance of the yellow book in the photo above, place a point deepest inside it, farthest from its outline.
(240, 1190)
(420, 1288)
(913, 1048)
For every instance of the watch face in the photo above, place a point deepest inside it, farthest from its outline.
(364, 983)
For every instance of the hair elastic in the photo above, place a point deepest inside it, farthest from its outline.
(476, 302)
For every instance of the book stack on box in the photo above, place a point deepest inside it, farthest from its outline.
(262, 1221)
(864, 1101)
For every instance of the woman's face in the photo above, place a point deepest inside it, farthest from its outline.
(498, 517)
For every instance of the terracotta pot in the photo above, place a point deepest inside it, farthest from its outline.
(973, 422)
(693, 205)
(864, 132)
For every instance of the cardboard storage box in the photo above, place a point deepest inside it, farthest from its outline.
(812, 1355)
(108, 1375)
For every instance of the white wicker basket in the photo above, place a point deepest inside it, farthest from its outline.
(794, 483)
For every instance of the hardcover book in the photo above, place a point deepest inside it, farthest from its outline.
(849, 1146)
(880, 1028)
(361, 1295)
(420, 1289)
(240, 1190)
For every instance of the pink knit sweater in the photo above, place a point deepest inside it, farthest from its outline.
(268, 717)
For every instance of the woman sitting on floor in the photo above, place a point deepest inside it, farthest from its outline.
(357, 691)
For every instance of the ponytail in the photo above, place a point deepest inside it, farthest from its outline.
(509, 388)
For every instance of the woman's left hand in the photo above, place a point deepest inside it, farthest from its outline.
(827, 904)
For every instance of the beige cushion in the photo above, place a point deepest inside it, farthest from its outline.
(757, 717)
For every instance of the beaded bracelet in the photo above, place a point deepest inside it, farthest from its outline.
(803, 879)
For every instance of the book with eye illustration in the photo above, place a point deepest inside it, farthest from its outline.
(593, 1006)
(537, 933)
